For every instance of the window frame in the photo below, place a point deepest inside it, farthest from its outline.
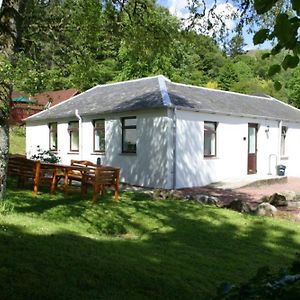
(95, 129)
(50, 132)
(71, 130)
(215, 144)
(124, 127)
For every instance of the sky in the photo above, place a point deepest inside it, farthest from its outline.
(178, 8)
(0, 3)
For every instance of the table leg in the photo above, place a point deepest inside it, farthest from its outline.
(66, 181)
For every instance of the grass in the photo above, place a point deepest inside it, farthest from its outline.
(17, 140)
(68, 248)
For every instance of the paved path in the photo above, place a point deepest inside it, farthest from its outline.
(251, 195)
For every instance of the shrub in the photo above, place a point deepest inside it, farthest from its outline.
(45, 156)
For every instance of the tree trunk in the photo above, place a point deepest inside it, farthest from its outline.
(10, 22)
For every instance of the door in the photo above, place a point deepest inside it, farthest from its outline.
(252, 148)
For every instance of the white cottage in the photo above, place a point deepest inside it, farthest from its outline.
(170, 135)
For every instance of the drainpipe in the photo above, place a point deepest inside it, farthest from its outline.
(174, 134)
(279, 141)
(80, 132)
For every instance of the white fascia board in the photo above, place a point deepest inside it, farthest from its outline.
(235, 114)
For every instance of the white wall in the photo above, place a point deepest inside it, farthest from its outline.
(36, 135)
(150, 166)
(292, 158)
(192, 169)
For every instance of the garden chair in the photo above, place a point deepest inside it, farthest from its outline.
(102, 178)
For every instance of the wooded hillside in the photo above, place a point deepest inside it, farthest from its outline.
(81, 43)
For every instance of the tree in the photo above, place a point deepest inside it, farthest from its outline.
(227, 77)
(10, 26)
(236, 46)
(278, 21)
(293, 88)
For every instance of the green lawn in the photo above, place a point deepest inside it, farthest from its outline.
(17, 140)
(56, 247)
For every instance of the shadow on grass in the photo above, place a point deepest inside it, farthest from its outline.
(169, 249)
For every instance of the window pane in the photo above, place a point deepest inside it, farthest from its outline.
(99, 135)
(74, 135)
(53, 136)
(99, 140)
(209, 127)
(252, 140)
(99, 124)
(130, 122)
(73, 125)
(209, 139)
(283, 137)
(129, 140)
(53, 140)
(209, 144)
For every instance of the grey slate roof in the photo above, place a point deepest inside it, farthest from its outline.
(158, 92)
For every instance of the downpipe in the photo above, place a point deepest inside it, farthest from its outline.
(79, 133)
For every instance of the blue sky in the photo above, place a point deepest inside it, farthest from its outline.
(178, 8)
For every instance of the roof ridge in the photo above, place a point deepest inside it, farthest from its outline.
(166, 100)
(222, 91)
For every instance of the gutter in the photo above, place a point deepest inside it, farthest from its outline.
(80, 132)
(235, 114)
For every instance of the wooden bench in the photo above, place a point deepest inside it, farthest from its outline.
(100, 179)
(31, 171)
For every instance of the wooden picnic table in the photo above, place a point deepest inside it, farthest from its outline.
(65, 172)
(99, 177)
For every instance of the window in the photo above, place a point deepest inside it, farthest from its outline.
(210, 139)
(129, 135)
(74, 136)
(53, 136)
(283, 138)
(99, 135)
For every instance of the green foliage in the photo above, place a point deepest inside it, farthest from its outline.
(290, 62)
(260, 36)
(236, 45)
(263, 6)
(227, 76)
(293, 86)
(46, 156)
(91, 42)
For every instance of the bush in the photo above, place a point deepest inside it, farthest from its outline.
(267, 285)
(45, 156)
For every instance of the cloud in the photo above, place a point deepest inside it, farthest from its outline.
(178, 8)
